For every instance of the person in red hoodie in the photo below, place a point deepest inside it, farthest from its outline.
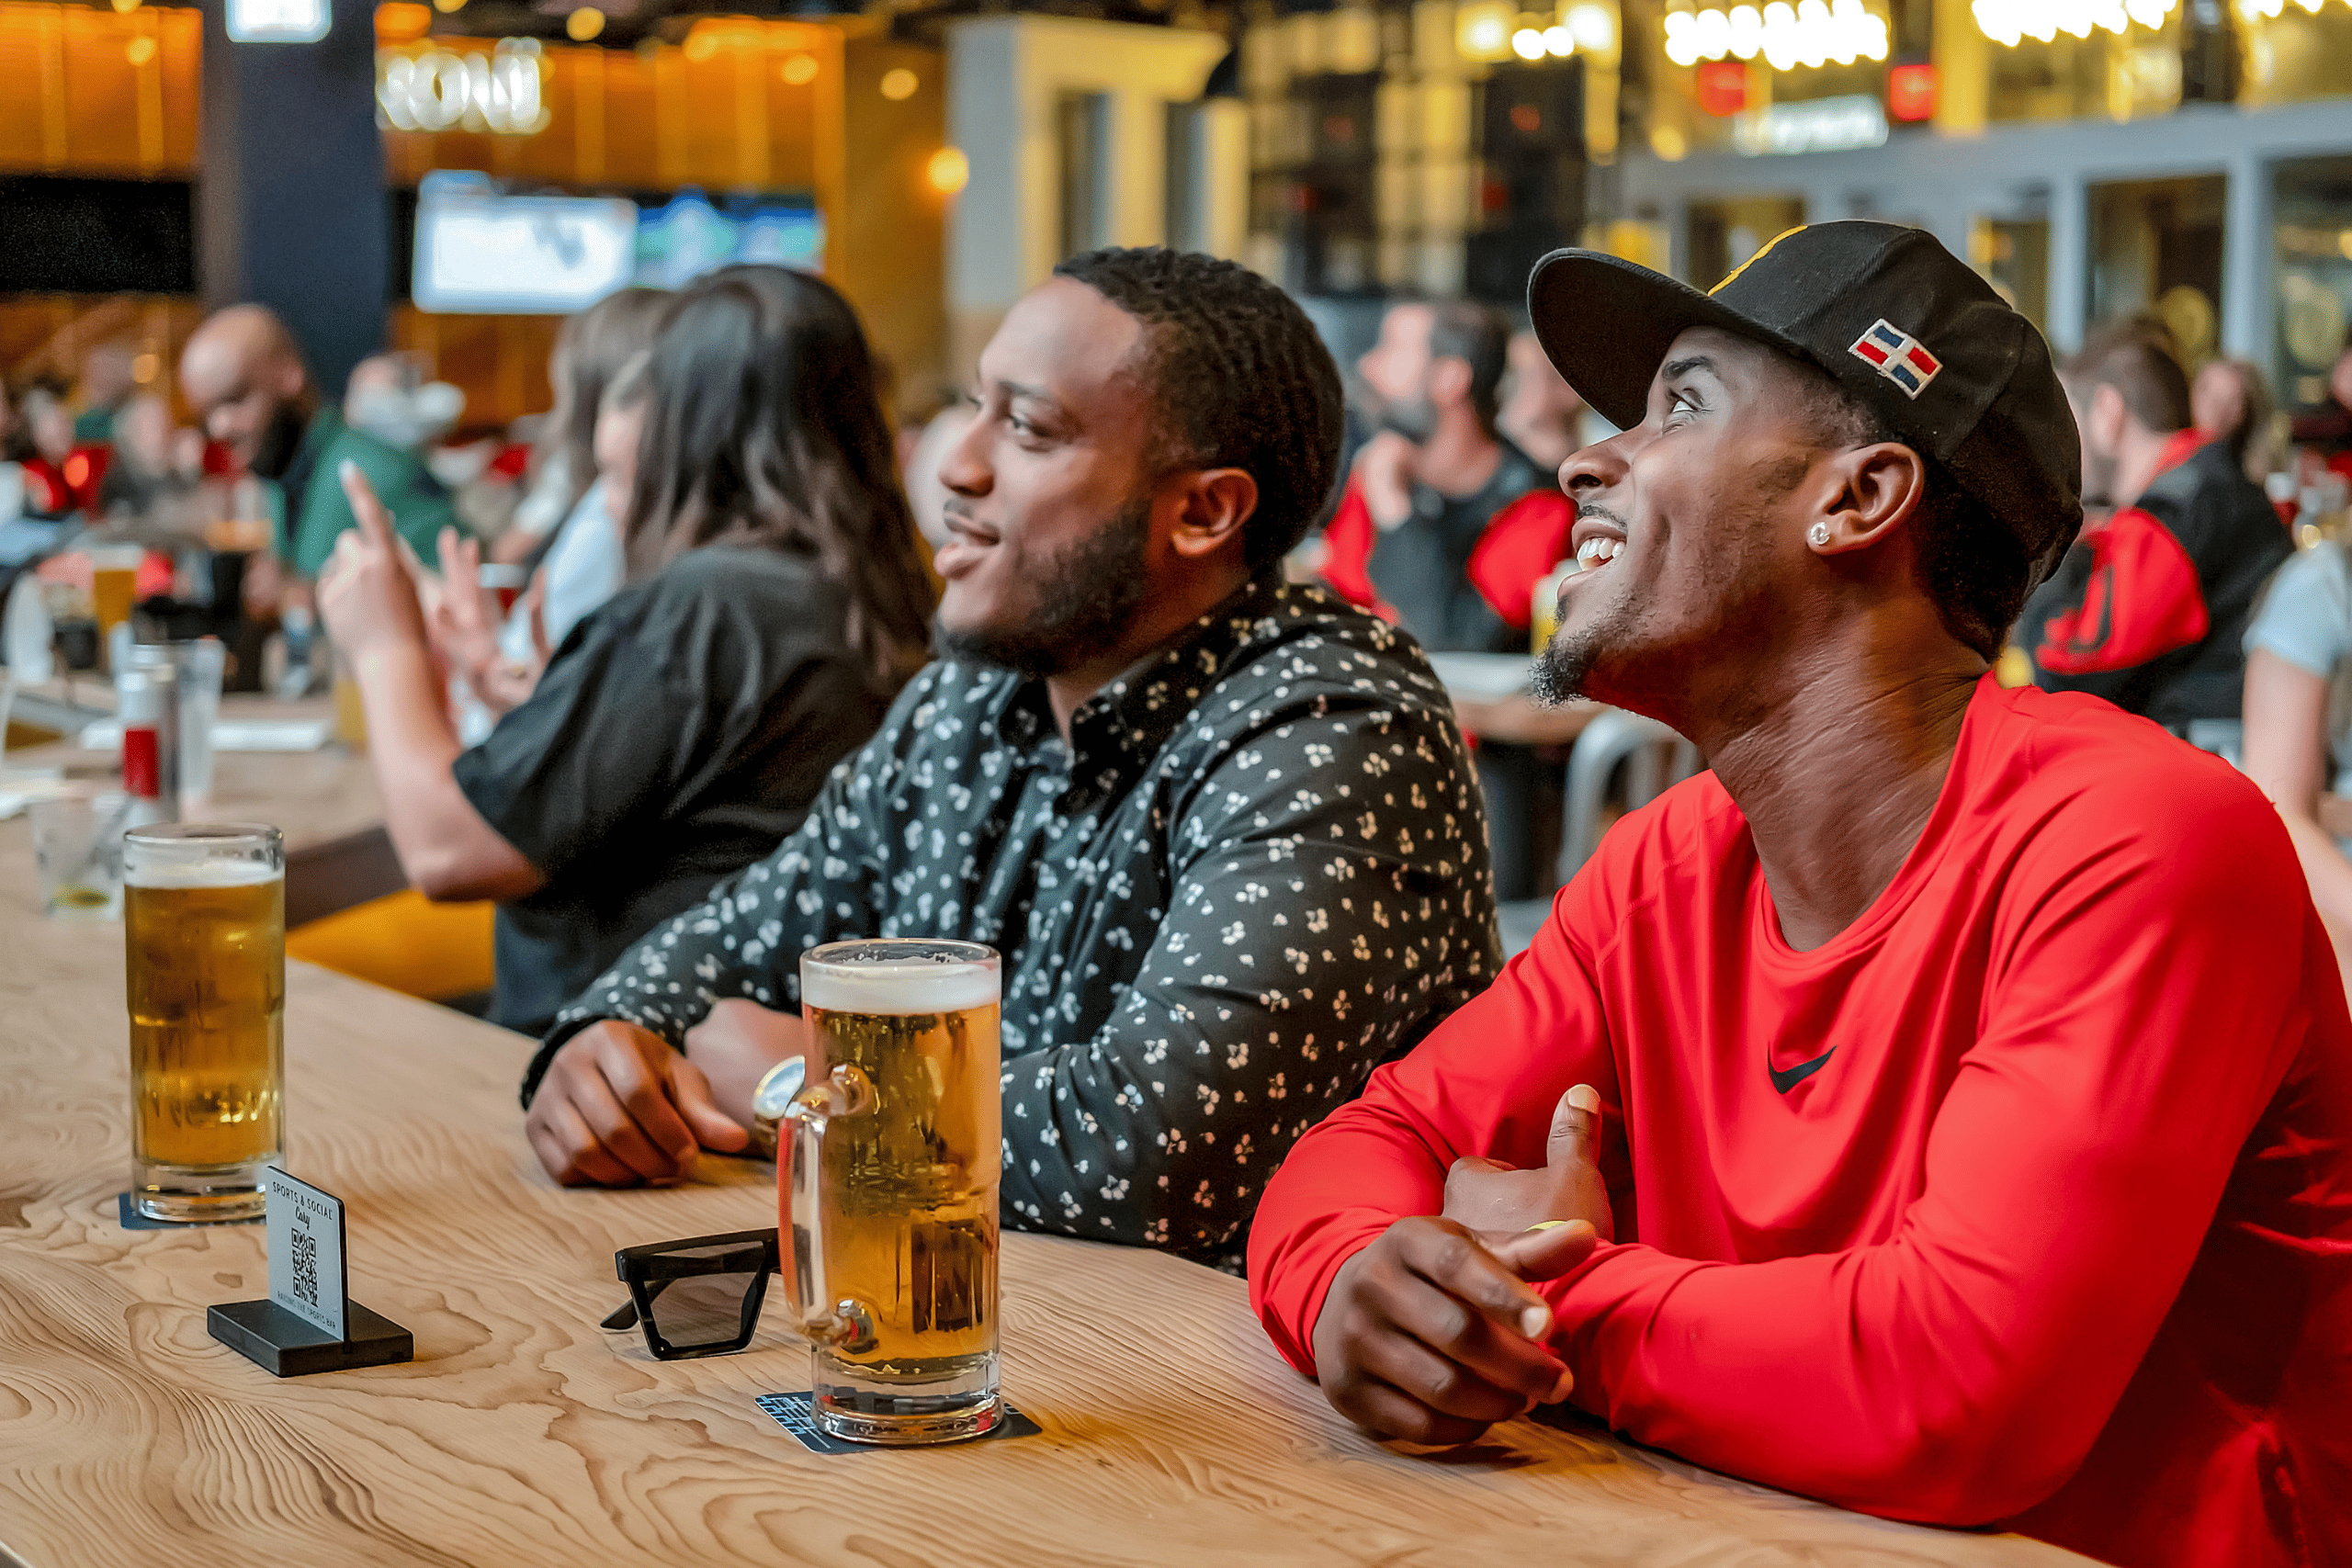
(1943, 1108)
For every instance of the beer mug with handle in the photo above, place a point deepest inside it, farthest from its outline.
(890, 1188)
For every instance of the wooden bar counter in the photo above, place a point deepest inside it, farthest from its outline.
(523, 1434)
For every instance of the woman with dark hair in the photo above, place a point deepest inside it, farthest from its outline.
(776, 603)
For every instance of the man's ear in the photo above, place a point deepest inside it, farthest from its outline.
(2108, 416)
(1875, 488)
(1449, 382)
(1213, 505)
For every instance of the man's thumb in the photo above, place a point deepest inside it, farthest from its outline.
(1575, 1137)
(1549, 1250)
(712, 1127)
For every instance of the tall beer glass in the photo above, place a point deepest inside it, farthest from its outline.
(204, 937)
(891, 1189)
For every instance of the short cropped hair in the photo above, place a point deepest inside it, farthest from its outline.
(1240, 379)
(1977, 567)
(2138, 362)
(1479, 337)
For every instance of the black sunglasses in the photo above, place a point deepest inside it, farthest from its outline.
(700, 1296)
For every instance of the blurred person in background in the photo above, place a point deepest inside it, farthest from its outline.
(109, 379)
(250, 391)
(46, 451)
(2230, 402)
(1541, 413)
(12, 468)
(388, 398)
(2298, 718)
(2149, 609)
(589, 440)
(775, 606)
(560, 483)
(2327, 429)
(502, 663)
(143, 479)
(1445, 527)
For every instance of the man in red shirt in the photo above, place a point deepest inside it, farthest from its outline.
(1948, 1097)
(1446, 526)
(2149, 609)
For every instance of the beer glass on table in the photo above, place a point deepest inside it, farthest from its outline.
(204, 939)
(891, 1189)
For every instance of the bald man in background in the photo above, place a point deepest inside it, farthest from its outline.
(244, 377)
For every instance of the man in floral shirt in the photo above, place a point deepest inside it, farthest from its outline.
(1223, 830)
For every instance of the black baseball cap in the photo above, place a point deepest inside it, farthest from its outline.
(1903, 325)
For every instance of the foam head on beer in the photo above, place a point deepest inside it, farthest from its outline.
(898, 987)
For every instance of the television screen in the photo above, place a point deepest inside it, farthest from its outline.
(481, 252)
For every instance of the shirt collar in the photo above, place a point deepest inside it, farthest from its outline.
(1117, 731)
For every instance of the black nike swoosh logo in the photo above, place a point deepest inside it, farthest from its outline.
(1785, 1080)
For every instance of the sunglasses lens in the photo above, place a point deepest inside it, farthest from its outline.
(704, 1312)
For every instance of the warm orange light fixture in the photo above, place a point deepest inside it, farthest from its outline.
(702, 43)
(401, 21)
(948, 171)
(580, 26)
(800, 70)
(126, 7)
(139, 50)
(898, 83)
(446, 6)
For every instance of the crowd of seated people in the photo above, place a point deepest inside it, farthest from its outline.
(1941, 1106)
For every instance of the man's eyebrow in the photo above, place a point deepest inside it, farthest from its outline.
(1678, 367)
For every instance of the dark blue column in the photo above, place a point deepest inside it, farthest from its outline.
(290, 209)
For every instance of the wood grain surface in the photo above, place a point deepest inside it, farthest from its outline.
(523, 1434)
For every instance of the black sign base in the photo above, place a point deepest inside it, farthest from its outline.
(285, 1347)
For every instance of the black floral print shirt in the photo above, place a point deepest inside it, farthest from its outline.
(1257, 870)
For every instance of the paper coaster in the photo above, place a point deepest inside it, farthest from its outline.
(127, 1211)
(791, 1413)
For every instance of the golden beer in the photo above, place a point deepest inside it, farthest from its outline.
(204, 936)
(894, 1225)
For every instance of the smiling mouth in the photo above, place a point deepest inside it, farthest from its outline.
(1597, 551)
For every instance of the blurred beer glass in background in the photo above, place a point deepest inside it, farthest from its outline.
(891, 1189)
(114, 586)
(204, 937)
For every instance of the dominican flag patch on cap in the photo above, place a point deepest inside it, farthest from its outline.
(1896, 355)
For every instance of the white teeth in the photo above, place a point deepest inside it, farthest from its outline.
(1594, 551)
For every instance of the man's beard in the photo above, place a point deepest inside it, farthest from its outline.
(1089, 591)
(1560, 670)
(280, 439)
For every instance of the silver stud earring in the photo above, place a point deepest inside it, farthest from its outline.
(1818, 534)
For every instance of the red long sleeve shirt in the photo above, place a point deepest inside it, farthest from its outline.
(2027, 1199)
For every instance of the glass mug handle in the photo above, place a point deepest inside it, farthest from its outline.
(847, 1325)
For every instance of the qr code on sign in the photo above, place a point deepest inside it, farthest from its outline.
(306, 1267)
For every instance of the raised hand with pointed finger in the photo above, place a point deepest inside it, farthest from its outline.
(367, 596)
